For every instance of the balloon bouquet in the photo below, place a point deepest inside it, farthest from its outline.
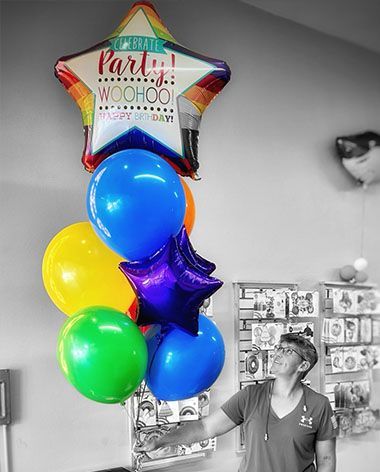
(132, 268)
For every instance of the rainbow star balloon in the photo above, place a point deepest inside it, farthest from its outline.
(140, 89)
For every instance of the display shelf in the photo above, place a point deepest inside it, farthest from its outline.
(156, 418)
(171, 461)
(334, 314)
(263, 284)
(348, 344)
(347, 284)
(150, 418)
(348, 312)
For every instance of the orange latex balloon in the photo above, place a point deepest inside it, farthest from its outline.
(190, 208)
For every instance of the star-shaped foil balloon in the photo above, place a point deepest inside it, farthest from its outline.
(169, 288)
(140, 89)
(191, 255)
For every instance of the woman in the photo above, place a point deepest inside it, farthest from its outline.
(288, 427)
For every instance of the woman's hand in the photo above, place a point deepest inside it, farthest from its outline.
(147, 446)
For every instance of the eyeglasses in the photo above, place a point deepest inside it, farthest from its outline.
(287, 351)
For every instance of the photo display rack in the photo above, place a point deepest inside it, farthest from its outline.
(151, 418)
(350, 351)
(264, 311)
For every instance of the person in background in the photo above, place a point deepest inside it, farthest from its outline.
(288, 427)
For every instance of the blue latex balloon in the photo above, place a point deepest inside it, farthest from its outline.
(135, 202)
(181, 365)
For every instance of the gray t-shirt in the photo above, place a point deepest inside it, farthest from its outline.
(291, 443)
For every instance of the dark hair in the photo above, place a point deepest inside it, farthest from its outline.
(305, 347)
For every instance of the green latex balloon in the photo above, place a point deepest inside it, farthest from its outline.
(102, 353)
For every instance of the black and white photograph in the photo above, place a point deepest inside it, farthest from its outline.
(190, 235)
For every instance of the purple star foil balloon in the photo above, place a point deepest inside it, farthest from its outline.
(170, 289)
(191, 255)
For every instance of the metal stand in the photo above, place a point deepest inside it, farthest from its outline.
(5, 413)
(6, 450)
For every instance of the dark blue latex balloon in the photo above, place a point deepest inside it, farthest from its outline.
(135, 202)
(169, 288)
(180, 365)
(190, 253)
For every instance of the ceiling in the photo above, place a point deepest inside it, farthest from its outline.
(351, 20)
(355, 21)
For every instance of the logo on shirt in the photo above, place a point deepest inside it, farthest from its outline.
(306, 422)
(334, 422)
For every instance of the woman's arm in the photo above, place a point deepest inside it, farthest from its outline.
(193, 431)
(325, 455)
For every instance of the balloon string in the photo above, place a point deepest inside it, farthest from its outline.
(364, 188)
(138, 457)
(139, 401)
(162, 335)
(141, 391)
(124, 406)
(135, 421)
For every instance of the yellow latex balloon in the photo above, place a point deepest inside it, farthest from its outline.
(79, 270)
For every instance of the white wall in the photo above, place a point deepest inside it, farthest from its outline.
(273, 204)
